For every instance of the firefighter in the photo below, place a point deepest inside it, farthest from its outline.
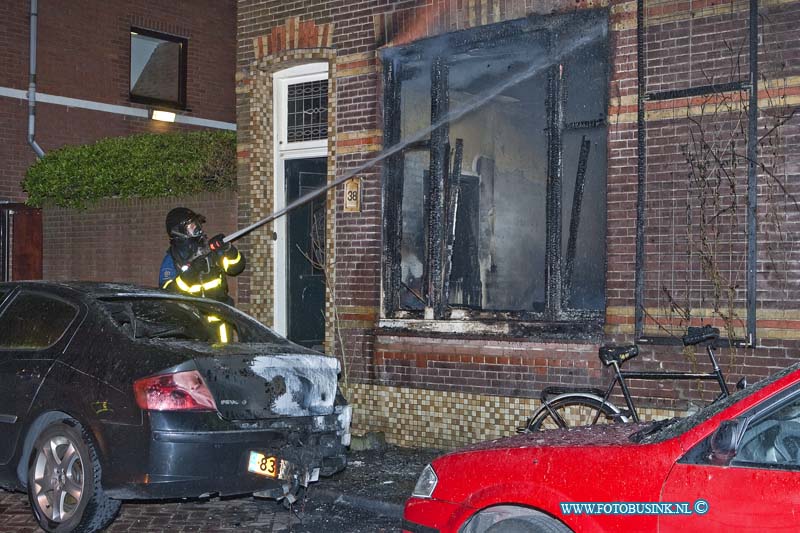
(186, 270)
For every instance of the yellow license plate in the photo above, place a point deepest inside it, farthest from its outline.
(263, 465)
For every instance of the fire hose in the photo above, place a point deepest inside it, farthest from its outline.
(290, 207)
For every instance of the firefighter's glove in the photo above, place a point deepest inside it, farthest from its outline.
(217, 244)
(192, 272)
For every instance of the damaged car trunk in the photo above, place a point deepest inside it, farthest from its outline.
(160, 396)
(263, 381)
(257, 380)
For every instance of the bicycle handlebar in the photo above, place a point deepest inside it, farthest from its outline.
(696, 335)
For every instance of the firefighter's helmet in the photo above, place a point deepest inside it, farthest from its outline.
(183, 223)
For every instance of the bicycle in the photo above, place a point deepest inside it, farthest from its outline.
(573, 406)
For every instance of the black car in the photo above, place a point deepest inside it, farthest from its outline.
(112, 392)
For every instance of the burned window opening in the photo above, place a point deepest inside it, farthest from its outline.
(474, 215)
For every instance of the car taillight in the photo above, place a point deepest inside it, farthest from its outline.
(182, 391)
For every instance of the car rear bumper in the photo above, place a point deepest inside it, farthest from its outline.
(197, 464)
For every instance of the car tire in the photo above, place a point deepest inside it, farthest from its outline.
(529, 524)
(64, 482)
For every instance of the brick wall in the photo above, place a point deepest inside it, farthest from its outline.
(84, 53)
(707, 45)
(84, 49)
(123, 240)
(695, 198)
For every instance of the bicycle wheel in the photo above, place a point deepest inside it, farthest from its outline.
(573, 411)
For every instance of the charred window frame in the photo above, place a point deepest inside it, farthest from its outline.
(454, 181)
(158, 68)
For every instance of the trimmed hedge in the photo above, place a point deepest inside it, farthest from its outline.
(143, 165)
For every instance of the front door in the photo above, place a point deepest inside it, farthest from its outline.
(306, 253)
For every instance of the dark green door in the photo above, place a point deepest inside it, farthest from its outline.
(306, 253)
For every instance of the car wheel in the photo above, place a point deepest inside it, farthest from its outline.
(529, 524)
(64, 487)
(513, 519)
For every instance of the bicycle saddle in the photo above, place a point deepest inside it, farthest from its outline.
(620, 354)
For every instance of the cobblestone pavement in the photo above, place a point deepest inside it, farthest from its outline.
(374, 480)
(241, 514)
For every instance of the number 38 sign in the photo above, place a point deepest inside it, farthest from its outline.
(352, 195)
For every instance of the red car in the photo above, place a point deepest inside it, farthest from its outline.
(733, 466)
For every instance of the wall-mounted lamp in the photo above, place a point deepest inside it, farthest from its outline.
(164, 116)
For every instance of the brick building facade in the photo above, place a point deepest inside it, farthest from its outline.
(633, 194)
(83, 86)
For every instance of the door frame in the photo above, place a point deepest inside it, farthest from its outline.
(285, 151)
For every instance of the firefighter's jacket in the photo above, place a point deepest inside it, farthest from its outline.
(205, 277)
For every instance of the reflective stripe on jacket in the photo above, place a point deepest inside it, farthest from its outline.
(205, 277)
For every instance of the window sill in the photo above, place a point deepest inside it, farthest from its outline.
(167, 105)
(583, 330)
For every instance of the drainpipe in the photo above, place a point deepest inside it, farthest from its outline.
(32, 84)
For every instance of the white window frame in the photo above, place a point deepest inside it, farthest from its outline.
(284, 151)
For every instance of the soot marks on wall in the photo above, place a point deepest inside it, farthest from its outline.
(480, 228)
